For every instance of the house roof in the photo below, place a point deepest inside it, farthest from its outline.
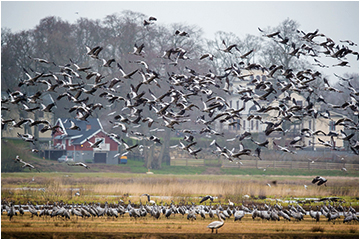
(88, 129)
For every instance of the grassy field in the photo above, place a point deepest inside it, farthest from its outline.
(111, 183)
(175, 227)
(112, 186)
(11, 148)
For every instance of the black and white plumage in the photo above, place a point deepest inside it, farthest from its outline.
(206, 198)
(319, 180)
(27, 137)
(95, 144)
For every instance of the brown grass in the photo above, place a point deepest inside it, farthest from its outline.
(175, 227)
(224, 187)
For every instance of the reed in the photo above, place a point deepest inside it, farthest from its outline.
(63, 188)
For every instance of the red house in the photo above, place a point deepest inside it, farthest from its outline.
(77, 142)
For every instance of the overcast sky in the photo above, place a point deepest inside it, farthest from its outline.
(337, 19)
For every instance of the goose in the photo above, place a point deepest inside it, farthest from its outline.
(40, 60)
(216, 224)
(228, 49)
(270, 35)
(284, 149)
(80, 69)
(119, 124)
(27, 109)
(206, 198)
(37, 122)
(47, 108)
(207, 55)
(138, 49)
(342, 64)
(96, 144)
(50, 87)
(194, 152)
(27, 137)
(93, 52)
(124, 75)
(261, 144)
(149, 21)
(18, 159)
(107, 63)
(247, 54)
(28, 165)
(149, 120)
(18, 124)
(319, 180)
(81, 164)
(155, 139)
(181, 33)
(326, 143)
(148, 78)
(73, 126)
(127, 147)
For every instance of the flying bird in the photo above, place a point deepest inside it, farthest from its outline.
(319, 180)
(207, 197)
(81, 164)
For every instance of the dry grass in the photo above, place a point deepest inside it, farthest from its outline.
(175, 227)
(63, 188)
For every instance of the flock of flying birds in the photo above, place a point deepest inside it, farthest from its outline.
(177, 104)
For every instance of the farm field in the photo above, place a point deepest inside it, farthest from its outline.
(112, 187)
(174, 227)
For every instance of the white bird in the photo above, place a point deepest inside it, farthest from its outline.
(81, 164)
(95, 144)
(127, 147)
(28, 165)
(312, 161)
(73, 126)
(216, 224)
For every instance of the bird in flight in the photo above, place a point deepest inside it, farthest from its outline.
(81, 164)
(319, 180)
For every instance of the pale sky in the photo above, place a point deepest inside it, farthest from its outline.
(337, 19)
